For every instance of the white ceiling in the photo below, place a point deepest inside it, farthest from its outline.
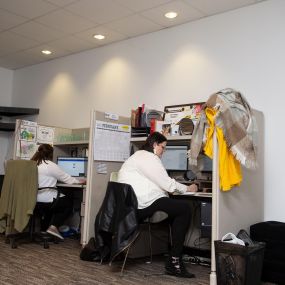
(67, 26)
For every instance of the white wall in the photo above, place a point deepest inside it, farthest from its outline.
(242, 49)
(6, 83)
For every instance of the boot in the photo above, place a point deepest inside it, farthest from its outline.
(175, 266)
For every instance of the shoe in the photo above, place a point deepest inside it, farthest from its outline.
(175, 266)
(52, 230)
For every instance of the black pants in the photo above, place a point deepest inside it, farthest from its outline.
(54, 213)
(179, 214)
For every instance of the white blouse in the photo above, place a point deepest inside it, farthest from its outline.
(145, 172)
(49, 173)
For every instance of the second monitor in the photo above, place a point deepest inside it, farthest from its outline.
(175, 158)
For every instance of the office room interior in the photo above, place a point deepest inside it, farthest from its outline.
(242, 49)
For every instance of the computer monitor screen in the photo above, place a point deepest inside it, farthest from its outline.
(205, 164)
(74, 166)
(175, 158)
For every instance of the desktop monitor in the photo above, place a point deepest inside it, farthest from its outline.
(74, 166)
(205, 164)
(175, 158)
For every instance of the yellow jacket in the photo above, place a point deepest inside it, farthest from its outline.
(229, 166)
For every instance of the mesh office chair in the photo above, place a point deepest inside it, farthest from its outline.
(18, 201)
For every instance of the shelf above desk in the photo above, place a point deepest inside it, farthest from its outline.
(71, 143)
(169, 138)
(18, 111)
(8, 116)
(7, 127)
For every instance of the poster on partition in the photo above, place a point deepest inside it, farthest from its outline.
(111, 141)
(26, 144)
(28, 131)
(26, 149)
(45, 135)
(28, 137)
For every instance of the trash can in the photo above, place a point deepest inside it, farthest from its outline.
(237, 264)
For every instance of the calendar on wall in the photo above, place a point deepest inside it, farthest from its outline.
(111, 141)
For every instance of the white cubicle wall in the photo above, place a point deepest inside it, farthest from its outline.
(97, 179)
(242, 206)
(231, 211)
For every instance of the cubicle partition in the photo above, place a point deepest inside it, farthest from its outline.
(236, 209)
(109, 143)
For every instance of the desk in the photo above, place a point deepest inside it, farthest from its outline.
(197, 195)
(64, 185)
(201, 183)
(197, 240)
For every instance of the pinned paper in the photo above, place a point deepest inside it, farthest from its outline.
(101, 168)
(111, 116)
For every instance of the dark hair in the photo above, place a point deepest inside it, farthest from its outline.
(155, 137)
(45, 152)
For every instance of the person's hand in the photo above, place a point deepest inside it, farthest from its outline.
(192, 188)
(82, 181)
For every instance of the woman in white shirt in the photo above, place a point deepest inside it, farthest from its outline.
(55, 210)
(145, 172)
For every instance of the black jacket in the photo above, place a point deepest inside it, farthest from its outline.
(116, 224)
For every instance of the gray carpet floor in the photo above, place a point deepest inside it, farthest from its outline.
(31, 264)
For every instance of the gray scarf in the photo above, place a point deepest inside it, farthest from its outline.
(235, 118)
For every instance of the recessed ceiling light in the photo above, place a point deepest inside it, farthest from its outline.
(99, 37)
(47, 52)
(170, 15)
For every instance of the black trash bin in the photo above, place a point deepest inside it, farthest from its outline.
(237, 264)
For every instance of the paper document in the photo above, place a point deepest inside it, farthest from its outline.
(188, 193)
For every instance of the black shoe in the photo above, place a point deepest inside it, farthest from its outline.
(175, 266)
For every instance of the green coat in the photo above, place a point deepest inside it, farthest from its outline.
(19, 194)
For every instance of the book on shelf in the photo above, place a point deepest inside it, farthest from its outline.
(142, 116)
(156, 126)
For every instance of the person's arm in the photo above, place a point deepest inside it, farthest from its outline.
(60, 175)
(152, 168)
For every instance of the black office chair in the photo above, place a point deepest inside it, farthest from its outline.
(38, 226)
(17, 203)
(117, 227)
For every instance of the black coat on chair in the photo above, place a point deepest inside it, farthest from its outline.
(116, 224)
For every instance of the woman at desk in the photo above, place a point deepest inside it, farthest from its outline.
(145, 172)
(56, 209)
